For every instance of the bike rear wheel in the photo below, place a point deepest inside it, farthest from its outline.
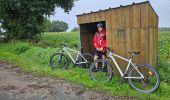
(149, 83)
(103, 73)
(58, 61)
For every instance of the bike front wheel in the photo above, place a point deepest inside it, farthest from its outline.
(101, 71)
(149, 83)
(58, 61)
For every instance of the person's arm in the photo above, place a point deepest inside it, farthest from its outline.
(95, 41)
(104, 43)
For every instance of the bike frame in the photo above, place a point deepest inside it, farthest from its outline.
(66, 49)
(112, 56)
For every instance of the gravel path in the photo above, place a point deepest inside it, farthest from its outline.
(17, 85)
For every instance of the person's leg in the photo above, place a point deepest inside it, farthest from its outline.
(103, 55)
(96, 58)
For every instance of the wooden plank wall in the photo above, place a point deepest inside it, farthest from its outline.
(130, 32)
(112, 35)
(153, 36)
(144, 34)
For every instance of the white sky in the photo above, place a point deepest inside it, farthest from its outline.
(162, 8)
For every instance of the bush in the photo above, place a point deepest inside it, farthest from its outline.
(59, 26)
(20, 48)
(39, 55)
(164, 69)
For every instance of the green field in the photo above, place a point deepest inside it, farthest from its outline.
(34, 57)
(53, 39)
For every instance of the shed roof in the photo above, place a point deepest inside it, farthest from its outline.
(118, 8)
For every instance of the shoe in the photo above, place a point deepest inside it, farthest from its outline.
(95, 69)
(104, 70)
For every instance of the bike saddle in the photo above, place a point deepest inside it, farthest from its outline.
(134, 52)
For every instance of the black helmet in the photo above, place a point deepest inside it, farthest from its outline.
(99, 25)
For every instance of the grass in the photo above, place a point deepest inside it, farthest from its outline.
(35, 59)
(53, 39)
(164, 44)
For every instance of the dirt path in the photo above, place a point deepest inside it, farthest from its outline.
(16, 85)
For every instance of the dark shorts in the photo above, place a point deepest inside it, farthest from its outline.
(99, 53)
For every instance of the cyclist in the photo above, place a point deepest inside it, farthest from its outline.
(99, 41)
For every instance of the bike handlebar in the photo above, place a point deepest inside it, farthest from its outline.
(111, 50)
(62, 44)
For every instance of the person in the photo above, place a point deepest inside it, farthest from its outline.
(99, 41)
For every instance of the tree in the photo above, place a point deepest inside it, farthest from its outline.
(75, 29)
(47, 25)
(59, 26)
(23, 19)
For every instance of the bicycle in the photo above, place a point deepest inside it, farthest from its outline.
(141, 77)
(60, 61)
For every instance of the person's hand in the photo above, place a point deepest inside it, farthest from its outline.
(100, 49)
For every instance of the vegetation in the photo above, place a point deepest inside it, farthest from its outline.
(35, 59)
(23, 19)
(51, 39)
(47, 25)
(164, 28)
(55, 26)
(75, 29)
(164, 56)
(59, 26)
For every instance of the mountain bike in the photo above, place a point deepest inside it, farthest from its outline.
(60, 61)
(141, 77)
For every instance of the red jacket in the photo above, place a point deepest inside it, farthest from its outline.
(99, 40)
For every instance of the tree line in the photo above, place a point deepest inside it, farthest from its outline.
(164, 28)
(55, 26)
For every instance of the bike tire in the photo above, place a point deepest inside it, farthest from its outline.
(101, 75)
(147, 74)
(58, 61)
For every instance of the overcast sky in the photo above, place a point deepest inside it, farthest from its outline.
(162, 8)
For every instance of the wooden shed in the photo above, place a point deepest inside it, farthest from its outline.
(128, 28)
